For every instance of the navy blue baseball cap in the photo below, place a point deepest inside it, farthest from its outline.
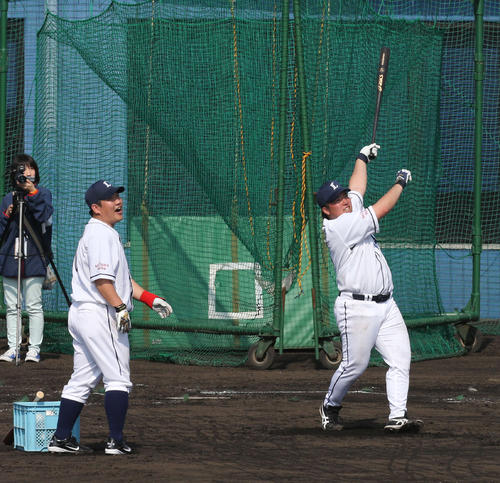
(101, 190)
(328, 192)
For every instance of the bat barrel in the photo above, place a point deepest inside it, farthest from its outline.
(381, 76)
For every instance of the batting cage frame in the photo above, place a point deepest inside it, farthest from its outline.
(221, 118)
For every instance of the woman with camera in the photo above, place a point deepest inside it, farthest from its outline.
(32, 268)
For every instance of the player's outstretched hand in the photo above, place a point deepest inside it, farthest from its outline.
(403, 177)
(156, 303)
(123, 322)
(161, 307)
(369, 153)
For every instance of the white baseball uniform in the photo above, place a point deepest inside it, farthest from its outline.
(362, 272)
(101, 351)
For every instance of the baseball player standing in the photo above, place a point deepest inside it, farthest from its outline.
(98, 320)
(367, 316)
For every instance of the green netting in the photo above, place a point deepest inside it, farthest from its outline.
(180, 102)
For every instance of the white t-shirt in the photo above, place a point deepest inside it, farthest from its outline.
(359, 263)
(100, 255)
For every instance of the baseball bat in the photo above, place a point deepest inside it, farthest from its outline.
(381, 76)
(9, 437)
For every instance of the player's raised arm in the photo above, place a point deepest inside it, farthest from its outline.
(389, 200)
(359, 176)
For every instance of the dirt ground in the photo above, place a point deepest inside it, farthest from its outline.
(191, 423)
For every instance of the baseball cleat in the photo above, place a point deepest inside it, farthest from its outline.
(114, 446)
(403, 425)
(68, 445)
(330, 420)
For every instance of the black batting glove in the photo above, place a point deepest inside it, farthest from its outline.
(403, 177)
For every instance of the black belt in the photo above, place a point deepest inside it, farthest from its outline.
(371, 298)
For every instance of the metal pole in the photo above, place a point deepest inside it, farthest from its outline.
(312, 219)
(3, 90)
(279, 302)
(474, 304)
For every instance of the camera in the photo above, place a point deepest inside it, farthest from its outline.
(19, 174)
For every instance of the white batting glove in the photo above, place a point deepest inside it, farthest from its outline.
(403, 177)
(369, 153)
(123, 322)
(161, 307)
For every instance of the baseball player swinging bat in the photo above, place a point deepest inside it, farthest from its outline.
(381, 76)
(9, 437)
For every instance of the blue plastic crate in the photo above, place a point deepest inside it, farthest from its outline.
(35, 423)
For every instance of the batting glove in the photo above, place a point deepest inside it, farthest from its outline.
(369, 153)
(123, 323)
(161, 307)
(403, 177)
(156, 303)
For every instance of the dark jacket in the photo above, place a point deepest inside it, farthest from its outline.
(38, 210)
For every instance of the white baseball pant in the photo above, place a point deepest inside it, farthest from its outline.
(364, 325)
(100, 351)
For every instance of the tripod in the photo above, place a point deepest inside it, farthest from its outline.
(20, 255)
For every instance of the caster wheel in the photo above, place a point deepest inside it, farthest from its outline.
(473, 339)
(330, 363)
(265, 362)
(478, 341)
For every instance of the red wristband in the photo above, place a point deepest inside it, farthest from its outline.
(148, 298)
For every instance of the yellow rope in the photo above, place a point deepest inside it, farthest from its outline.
(292, 154)
(240, 113)
(273, 104)
(303, 238)
(148, 127)
(144, 204)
